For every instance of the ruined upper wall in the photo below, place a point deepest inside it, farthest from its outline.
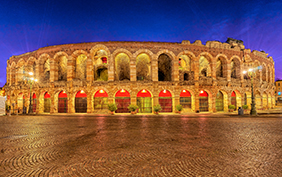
(212, 47)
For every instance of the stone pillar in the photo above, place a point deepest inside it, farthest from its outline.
(53, 108)
(212, 104)
(71, 108)
(197, 102)
(89, 103)
(155, 69)
(228, 74)
(132, 69)
(71, 65)
(196, 68)
(176, 100)
(175, 70)
(111, 68)
(53, 70)
(89, 70)
(37, 71)
(213, 68)
(133, 99)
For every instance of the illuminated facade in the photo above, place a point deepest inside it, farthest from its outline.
(86, 77)
(278, 92)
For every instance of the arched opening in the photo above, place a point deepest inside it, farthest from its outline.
(46, 71)
(165, 100)
(186, 77)
(264, 101)
(47, 102)
(81, 102)
(185, 99)
(219, 68)
(122, 99)
(101, 74)
(143, 67)
(233, 99)
(264, 73)
(122, 67)
(34, 102)
(164, 68)
(204, 67)
(219, 102)
(80, 69)
(203, 101)
(101, 100)
(63, 102)
(258, 100)
(21, 102)
(144, 101)
(62, 68)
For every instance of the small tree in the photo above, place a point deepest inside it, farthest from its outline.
(157, 108)
(179, 107)
(231, 107)
(245, 107)
(132, 107)
(112, 107)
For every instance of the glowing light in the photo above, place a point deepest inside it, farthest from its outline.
(64, 91)
(101, 91)
(164, 91)
(35, 80)
(244, 72)
(30, 73)
(143, 91)
(184, 91)
(122, 90)
(202, 91)
(81, 91)
(32, 78)
(279, 93)
(251, 69)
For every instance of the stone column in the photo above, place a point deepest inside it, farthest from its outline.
(197, 101)
(89, 103)
(89, 70)
(111, 68)
(213, 68)
(155, 69)
(53, 71)
(133, 99)
(175, 70)
(71, 98)
(132, 69)
(71, 65)
(228, 70)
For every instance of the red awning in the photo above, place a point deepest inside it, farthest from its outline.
(185, 93)
(101, 93)
(81, 94)
(47, 95)
(204, 94)
(143, 93)
(122, 93)
(63, 94)
(34, 96)
(233, 94)
(165, 93)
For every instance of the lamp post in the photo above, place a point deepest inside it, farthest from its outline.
(252, 73)
(30, 81)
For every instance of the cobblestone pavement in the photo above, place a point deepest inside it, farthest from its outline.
(168, 145)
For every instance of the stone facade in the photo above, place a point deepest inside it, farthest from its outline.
(155, 66)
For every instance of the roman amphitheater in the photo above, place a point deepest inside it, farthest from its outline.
(85, 77)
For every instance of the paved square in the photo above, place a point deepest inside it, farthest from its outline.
(84, 145)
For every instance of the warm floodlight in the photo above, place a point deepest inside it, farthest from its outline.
(244, 72)
(30, 73)
(250, 69)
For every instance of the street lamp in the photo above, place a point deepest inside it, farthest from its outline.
(30, 80)
(252, 74)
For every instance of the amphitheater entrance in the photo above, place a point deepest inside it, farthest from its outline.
(63, 102)
(122, 99)
(233, 99)
(101, 100)
(81, 102)
(219, 102)
(264, 100)
(165, 100)
(258, 100)
(185, 99)
(34, 102)
(21, 102)
(47, 102)
(144, 101)
(203, 101)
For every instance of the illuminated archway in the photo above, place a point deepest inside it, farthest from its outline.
(47, 102)
(185, 99)
(233, 99)
(203, 101)
(21, 102)
(164, 68)
(101, 100)
(165, 100)
(219, 102)
(264, 100)
(81, 102)
(122, 99)
(258, 100)
(63, 102)
(144, 101)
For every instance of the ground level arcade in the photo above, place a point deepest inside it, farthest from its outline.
(95, 100)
